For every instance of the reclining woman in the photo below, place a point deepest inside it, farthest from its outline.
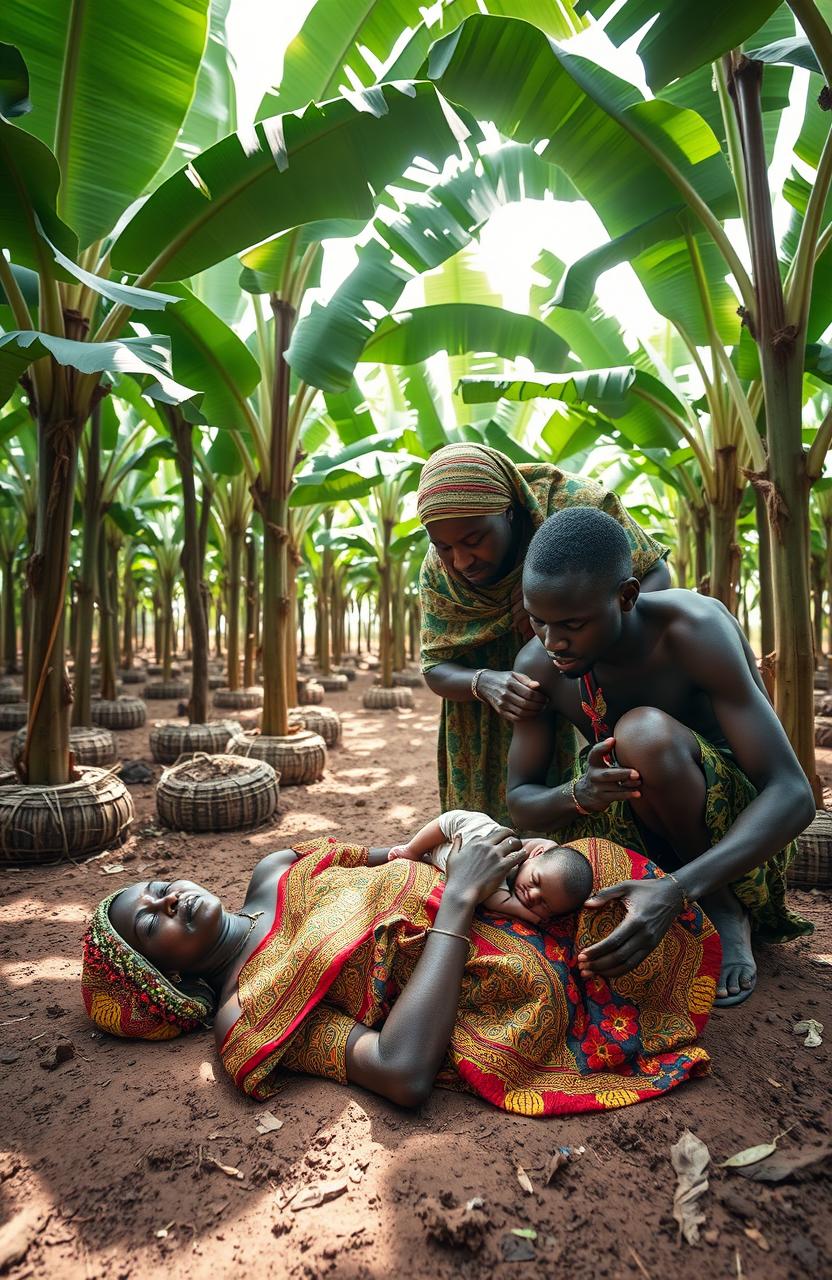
(384, 976)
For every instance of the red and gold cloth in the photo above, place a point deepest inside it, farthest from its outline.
(531, 1036)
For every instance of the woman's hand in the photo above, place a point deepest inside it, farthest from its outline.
(519, 615)
(652, 906)
(513, 695)
(603, 783)
(479, 867)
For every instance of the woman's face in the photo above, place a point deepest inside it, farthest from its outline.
(478, 549)
(174, 924)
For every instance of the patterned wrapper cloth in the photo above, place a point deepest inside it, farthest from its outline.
(531, 1035)
(127, 996)
(474, 626)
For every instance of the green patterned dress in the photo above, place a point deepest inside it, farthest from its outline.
(474, 628)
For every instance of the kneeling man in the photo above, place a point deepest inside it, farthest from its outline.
(687, 759)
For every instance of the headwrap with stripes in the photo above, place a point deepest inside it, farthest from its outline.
(467, 480)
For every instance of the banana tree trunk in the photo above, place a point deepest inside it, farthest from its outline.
(167, 628)
(385, 629)
(45, 759)
(115, 611)
(250, 647)
(235, 567)
(191, 560)
(324, 656)
(700, 548)
(106, 653)
(272, 496)
(302, 626)
(764, 568)
(9, 620)
(129, 592)
(827, 527)
(787, 484)
(86, 581)
(817, 564)
(413, 627)
(725, 551)
(290, 655)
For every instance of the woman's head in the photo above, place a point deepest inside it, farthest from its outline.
(468, 500)
(137, 941)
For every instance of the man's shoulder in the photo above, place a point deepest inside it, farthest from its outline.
(533, 660)
(682, 610)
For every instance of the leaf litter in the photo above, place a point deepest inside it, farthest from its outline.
(751, 1155)
(813, 1030)
(690, 1158)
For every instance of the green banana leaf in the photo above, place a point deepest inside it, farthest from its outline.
(594, 337)
(208, 354)
(14, 83)
(458, 328)
(619, 150)
(28, 196)
(686, 34)
(327, 162)
(110, 87)
(150, 355)
(269, 267)
(327, 342)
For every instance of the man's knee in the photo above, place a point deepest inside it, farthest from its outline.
(653, 742)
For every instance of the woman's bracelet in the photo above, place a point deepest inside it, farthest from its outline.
(586, 813)
(474, 682)
(685, 898)
(449, 933)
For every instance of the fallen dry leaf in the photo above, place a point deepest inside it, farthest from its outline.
(757, 1238)
(806, 1162)
(318, 1193)
(556, 1161)
(524, 1180)
(111, 868)
(749, 1156)
(690, 1158)
(813, 1030)
(227, 1169)
(268, 1123)
(775, 1083)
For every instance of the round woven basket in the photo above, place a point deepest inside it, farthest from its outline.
(10, 693)
(89, 746)
(169, 689)
(822, 678)
(216, 682)
(823, 731)
(133, 676)
(408, 679)
(321, 720)
(13, 715)
(239, 699)
(124, 713)
(333, 683)
(310, 693)
(300, 757)
(169, 739)
(349, 672)
(156, 669)
(216, 793)
(811, 867)
(43, 824)
(378, 699)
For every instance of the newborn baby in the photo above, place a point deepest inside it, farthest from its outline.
(552, 881)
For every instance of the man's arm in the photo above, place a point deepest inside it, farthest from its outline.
(713, 655)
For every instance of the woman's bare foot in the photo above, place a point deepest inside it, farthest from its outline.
(738, 976)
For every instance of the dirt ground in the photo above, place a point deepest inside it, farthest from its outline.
(112, 1163)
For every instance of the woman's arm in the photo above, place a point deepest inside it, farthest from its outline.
(401, 1060)
(511, 694)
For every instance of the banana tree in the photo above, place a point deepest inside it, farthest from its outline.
(630, 162)
(77, 162)
(233, 508)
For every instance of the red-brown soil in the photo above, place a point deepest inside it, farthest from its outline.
(101, 1173)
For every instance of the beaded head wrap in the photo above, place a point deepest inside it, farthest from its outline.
(467, 480)
(128, 996)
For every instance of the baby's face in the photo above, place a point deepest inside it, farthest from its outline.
(539, 886)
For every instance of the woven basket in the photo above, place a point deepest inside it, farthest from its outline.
(169, 739)
(378, 699)
(333, 683)
(812, 864)
(89, 746)
(13, 715)
(156, 669)
(349, 672)
(823, 731)
(300, 757)
(408, 680)
(310, 693)
(243, 797)
(239, 699)
(44, 824)
(124, 713)
(170, 689)
(216, 682)
(822, 678)
(10, 693)
(133, 676)
(321, 720)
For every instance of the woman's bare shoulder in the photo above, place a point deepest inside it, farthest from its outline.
(268, 870)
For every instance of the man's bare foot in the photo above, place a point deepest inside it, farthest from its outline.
(738, 976)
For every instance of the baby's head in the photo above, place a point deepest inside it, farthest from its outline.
(554, 880)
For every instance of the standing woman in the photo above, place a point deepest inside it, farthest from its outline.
(480, 511)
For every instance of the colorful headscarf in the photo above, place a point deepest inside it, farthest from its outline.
(467, 480)
(128, 996)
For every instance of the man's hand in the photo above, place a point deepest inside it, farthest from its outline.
(603, 783)
(479, 867)
(513, 696)
(519, 615)
(652, 906)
